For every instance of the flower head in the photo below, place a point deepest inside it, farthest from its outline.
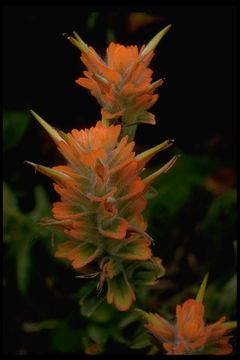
(122, 84)
(190, 334)
(101, 205)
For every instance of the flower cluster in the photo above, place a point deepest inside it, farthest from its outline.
(122, 84)
(102, 187)
(191, 335)
(102, 200)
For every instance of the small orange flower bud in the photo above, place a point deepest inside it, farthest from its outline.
(190, 335)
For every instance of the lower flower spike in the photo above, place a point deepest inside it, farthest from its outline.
(102, 197)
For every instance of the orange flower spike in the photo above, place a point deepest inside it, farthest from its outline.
(123, 83)
(190, 335)
(101, 204)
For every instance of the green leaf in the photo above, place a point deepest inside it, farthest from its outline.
(118, 337)
(86, 290)
(175, 191)
(66, 339)
(127, 320)
(23, 262)
(10, 204)
(20, 232)
(148, 272)
(222, 208)
(98, 333)
(151, 193)
(42, 205)
(103, 314)
(175, 187)
(221, 299)
(90, 305)
(15, 124)
(141, 340)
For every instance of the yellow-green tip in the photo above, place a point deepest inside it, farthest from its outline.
(54, 134)
(101, 78)
(229, 325)
(148, 154)
(144, 314)
(52, 173)
(105, 122)
(163, 170)
(202, 289)
(154, 42)
(78, 42)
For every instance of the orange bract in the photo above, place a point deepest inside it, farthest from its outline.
(122, 84)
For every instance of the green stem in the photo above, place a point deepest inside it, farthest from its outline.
(130, 131)
(105, 122)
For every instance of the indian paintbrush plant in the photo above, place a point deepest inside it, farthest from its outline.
(103, 187)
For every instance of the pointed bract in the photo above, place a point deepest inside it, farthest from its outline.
(202, 289)
(54, 134)
(148, 180)
(145, 156)
(53, 174)
(78, 42)
(155, 41)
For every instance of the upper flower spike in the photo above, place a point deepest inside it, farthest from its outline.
(190, 335)
(122, 84)
(101, 205)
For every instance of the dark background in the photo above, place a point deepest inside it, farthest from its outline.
(196, 107)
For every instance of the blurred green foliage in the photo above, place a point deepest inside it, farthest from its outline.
(20, 232)
(15, 124)
(92, 19)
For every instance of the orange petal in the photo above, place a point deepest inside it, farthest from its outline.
(86, 253)
(116, 230)
(87, 83)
